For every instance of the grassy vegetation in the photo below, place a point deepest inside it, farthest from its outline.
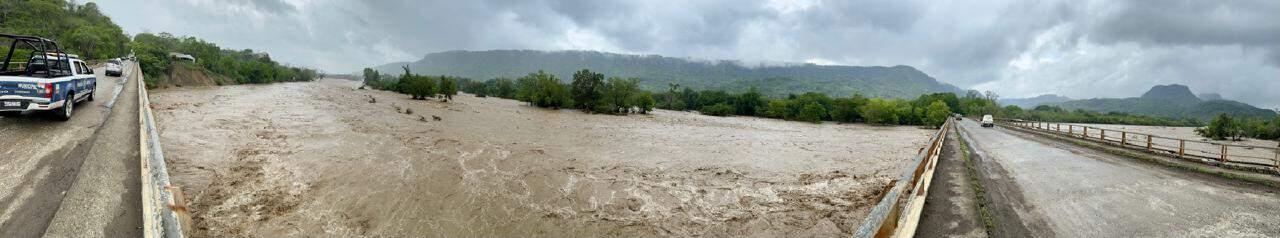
(243, 66)
(979, 192)
(79, 29)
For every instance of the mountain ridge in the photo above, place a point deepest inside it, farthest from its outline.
(655, 72)
(1171, 101)
(1032, 102)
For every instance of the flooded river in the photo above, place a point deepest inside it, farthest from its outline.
(305, 159)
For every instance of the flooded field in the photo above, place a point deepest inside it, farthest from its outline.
(1199, 145)
(301, 159)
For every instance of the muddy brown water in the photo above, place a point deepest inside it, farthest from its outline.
(303, 159)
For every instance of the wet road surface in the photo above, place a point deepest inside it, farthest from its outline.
(42, 159)
(1053, 188)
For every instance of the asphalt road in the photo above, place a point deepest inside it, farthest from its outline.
(42, 159)
(1048, 188)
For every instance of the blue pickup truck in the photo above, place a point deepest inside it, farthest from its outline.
(38, 76)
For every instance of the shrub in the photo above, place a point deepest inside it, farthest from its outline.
(812, 112)
(719, 109)
(880, 111)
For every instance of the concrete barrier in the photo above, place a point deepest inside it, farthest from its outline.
(164, 212)
(898, 212)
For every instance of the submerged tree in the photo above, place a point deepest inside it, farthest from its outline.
(448, 87)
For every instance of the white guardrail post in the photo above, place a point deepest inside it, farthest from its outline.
(164, 212)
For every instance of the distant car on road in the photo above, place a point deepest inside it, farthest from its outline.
(113, 68)
(959, 117)
(48, 80)
(988, 121)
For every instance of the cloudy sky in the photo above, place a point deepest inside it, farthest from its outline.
(1017, 48)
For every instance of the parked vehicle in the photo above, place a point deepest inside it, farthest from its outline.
(958, 116)
(49, 80)
(113, 68)
(988, 121)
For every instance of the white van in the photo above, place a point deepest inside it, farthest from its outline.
(988, 121)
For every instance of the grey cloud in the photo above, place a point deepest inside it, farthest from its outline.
(1250, 23)
(272, 6)
(1082, 49)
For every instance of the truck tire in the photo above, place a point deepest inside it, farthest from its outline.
(91, 93)
(64, 113)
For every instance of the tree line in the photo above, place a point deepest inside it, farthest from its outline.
(243, 66)
(593, 92)
(419, 87)
(1225, 127)
(1058, 114)
(78, 29)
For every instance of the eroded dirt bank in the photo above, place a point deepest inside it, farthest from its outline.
(319, 159)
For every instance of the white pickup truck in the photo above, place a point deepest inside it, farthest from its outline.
(37, 76)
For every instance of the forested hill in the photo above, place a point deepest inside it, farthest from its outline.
(78, 29)
(1173, 101)
(655, 72)
(1032, 102)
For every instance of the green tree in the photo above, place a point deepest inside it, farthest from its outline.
(617, 97)
(938, 113)
(1220, 128)
(644, 101)
(370, 75)
(448, 87)
(777, 109)
(587, 89)
(880, 111)
(527, 88)
(690, 99)
(846, 109)
(503, 88)
(543, 90)
(812, 112)
(672, 96)
(749, 103)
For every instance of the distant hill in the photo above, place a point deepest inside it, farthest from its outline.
(1032, 102)
(1173, 101)
(655, 72)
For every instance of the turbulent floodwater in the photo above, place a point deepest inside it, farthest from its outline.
(319, 158)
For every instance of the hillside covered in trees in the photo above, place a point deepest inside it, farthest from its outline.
(240, 66)
(1171, 101)
(1032, 102)
(656, 73)
(78, 29)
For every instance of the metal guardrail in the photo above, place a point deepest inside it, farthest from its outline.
(164, 213)
(899, 210)
(1179, 147)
